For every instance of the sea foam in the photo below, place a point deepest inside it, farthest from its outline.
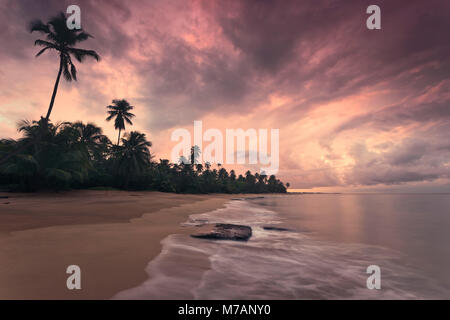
(273, 265)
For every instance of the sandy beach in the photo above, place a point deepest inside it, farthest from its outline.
(110, 235)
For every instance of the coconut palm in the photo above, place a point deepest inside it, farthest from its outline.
(62, 40)
(120, 111)
(37, 134)
(133, 156)
(199, 168)
(56, 153)
(195, 154)
(88, 134)
(92, 138)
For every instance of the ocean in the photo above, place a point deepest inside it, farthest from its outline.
(331, 241)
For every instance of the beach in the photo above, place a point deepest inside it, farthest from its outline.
(137, 245)
(110, 235)
(313, 246)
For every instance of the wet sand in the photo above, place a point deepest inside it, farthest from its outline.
(110, 235)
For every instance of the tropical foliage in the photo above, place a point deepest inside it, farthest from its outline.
(120, 111)
(58, 156)
(62, 40)
(78, 155)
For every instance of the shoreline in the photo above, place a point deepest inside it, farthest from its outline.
(179, 270)
(111, 235)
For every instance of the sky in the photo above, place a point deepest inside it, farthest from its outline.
(358, 110)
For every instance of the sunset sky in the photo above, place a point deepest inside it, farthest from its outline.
(357, 109)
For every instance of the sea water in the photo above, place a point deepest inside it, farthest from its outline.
(330, 242)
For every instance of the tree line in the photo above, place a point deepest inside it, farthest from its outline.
(66, 155)
(76, 155)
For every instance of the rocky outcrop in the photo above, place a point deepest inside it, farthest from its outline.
(222, 231)
(276, 228)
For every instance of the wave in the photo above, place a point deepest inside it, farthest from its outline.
(273, 265)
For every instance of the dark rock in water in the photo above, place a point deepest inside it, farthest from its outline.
(4, 197)
(222, 231)
(276, 229)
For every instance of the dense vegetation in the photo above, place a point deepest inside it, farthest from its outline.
(77, 155)
(58, 156)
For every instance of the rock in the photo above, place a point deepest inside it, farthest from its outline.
(222, 231)
(4, 197)
(276, 228)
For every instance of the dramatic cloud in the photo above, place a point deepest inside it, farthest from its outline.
(355, 107)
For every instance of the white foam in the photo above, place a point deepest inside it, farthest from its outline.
(273, 265)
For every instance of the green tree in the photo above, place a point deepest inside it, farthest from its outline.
(59, 158)
(195, 154)
(120, 111)
(62, 40)
(132, 157)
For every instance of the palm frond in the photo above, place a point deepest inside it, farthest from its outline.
(52, 36)
(119, 123)
(82, 36)
(42, 51)
(66, 73)
(73, 71)
(80, 54)
(39, 26)
(44, 43)
(58, 23)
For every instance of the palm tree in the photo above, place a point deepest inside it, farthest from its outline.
(88, 135)
(120, 111)
(182, 160)
(92, 138)
(37, 134)
(62, 40)
(199, 168)
(57, 155)
(195, 153)
(133, 155)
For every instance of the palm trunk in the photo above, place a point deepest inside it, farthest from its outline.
(55, 89)
(52, 101)
(118, 138)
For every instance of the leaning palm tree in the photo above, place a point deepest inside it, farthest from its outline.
(62, 40)
(120, 111)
